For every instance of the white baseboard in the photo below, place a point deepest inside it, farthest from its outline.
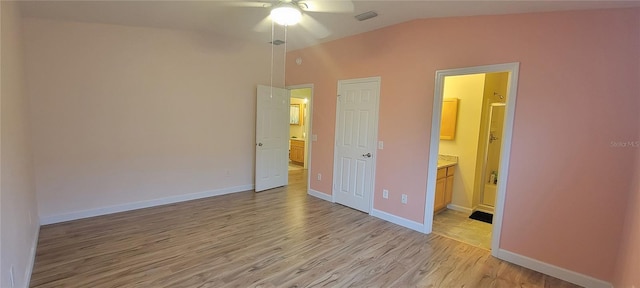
(460, 208)
(377, 213)
(485, 209)
(32, 257)
(552, 270)
(141, 204)
(413, 225)
(320, 195)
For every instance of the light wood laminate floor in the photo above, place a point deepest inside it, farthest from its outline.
(276, 238)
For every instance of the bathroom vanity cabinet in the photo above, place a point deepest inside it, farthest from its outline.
(444, 187)
(296, 152)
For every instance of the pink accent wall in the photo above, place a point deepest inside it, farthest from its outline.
(628, 267)
(567, 188)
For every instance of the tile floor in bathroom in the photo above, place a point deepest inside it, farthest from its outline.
(457, 225)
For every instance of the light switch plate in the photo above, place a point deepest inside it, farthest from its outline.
(380, 145)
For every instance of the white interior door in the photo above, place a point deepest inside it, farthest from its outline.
(272, 138)
(356, 136)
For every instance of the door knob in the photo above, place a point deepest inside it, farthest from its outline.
(259, 144)
(368, 155)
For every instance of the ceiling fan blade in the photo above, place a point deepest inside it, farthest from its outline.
(264, 25)
(250, 4)
(334, 6)
(314, 27)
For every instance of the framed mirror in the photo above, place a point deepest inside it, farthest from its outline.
(295, 114)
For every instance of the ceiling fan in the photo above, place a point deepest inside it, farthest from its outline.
(292, 12)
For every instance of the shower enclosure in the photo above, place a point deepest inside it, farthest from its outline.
(492, 156)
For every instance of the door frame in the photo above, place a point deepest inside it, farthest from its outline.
(377, 80)
(512, 89)
(309, 124)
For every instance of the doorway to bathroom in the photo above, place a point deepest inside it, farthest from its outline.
(470, 144)
(299, 131)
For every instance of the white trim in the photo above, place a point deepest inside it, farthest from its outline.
(552, 270)
(505, 152)
(32, 257)
(413, 225)
(320, 195)
(505, 155)
(309, 128)
(141, 204)
(460, 208)
(378, 81)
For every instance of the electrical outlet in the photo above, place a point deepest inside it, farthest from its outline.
(12, 277)
(319, 176)
(385, 193)
(404, 198)
(227, 173)
(380, 145)
(314, 137)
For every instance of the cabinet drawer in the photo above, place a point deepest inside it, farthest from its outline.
(297, 143)
(442, 172)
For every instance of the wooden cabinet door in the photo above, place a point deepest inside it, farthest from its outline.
(439, 202)
(448, 193)
(296, 154)
(448, 119)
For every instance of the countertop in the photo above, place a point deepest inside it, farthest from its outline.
(445, 163)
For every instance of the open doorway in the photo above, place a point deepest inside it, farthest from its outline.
(469, 152)
(300, 118)
(471, 125)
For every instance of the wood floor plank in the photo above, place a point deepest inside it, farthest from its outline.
(277, 238)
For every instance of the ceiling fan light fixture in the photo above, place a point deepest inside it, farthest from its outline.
(286, 14)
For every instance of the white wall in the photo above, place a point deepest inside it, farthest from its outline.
(469, 90)
(125, 115)
(17, 193)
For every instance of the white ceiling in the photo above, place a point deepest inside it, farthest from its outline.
(223, 18)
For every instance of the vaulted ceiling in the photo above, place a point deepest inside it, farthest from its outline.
(231, 20)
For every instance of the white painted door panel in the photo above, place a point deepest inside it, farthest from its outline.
(356, 137)
(272, 138)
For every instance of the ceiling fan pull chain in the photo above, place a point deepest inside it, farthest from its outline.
(271, 71)
(284, 68)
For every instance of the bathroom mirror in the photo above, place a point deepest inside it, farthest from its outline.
(295, 114)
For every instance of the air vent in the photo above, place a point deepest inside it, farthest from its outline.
(277, 42)
(366, 15)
